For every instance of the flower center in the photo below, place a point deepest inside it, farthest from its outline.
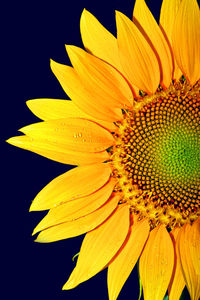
(156, 158)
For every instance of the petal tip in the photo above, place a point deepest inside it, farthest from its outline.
(70, 284)
(13, 141)
(85, 12)
(53, 64)
(36, 206)
(32, 207)
(30, 104)
(51, 61)
(9, 141)
(33, 233)
(72, 51)
(118, 14)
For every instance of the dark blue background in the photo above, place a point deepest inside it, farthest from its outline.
(34, 32)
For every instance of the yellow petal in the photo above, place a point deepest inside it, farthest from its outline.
(57, 152)
(86, 99)
(186, 39)
(100, 78)
(192, 280)
(76, 183)
(73, 133)
(98, 40)
(168, 14)
(155, 37)
(78, 226)
(177, 282)
(99, 246)
(137, 57)
(78, 208)
(49, 109)
(124, 261)
(194, 240)
(156, 263)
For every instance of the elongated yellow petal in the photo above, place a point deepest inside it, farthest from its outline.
(86, 99)
(192, 280)
(177, 282)
(121, 266)
(137, 57)
(186, 39)
(49, 109)
(98, 40)
(168, 14)
(78, 226)
(78, 208)
(57, 152)
(102, 79)
(99, 246)
(76, 183)
(156, 38)
(156, 263)
(194, 239)
(73, 133)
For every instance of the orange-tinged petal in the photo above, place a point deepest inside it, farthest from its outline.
(177, 282)
(102, 79)
(58, 152)
(78, 208)
(168, 14)
(124, 261)
(156, 263)
(192, 280)
(49, 109)
(98, 40)
(136, 55)
(76, 183)
(186, 39)
(86, 99)
(78, 226)
(194, 239)
(73, 133)
(99, 246)
(155, 37)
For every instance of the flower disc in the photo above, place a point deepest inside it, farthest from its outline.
(157, 156)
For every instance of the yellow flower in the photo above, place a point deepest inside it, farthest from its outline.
(133, 129)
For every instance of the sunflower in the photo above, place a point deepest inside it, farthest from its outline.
(132, 129)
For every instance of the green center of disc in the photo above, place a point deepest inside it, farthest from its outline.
(179, 154)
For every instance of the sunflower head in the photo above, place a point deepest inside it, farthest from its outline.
(133, 128)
